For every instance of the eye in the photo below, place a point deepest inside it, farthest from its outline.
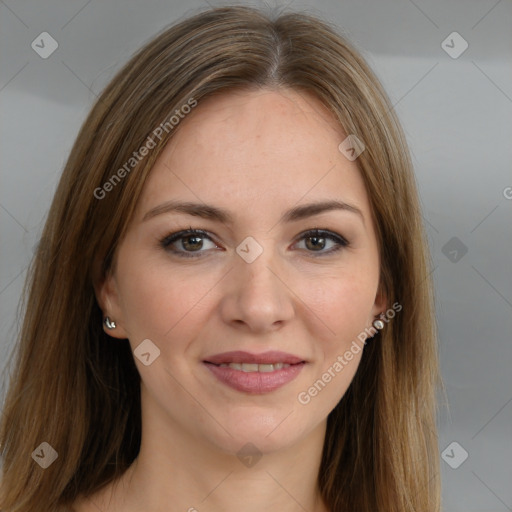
(317, 239)
(191, 241)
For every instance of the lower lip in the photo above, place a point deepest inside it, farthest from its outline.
(255, 382)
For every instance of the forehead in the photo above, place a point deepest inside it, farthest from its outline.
(256, 148)
(232, 124)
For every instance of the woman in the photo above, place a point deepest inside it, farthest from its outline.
(230, 307)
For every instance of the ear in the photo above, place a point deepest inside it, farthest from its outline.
(107, 295)
(380, 305)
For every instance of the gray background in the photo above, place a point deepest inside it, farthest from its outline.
(457, 115)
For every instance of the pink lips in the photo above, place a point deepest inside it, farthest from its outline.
(254, 382)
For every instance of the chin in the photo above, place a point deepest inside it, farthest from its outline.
(267, 431)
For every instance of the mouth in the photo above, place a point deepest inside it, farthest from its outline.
(271, 357)
(253, 367)
(255, 373)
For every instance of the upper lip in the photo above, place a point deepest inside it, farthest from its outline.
(239, 356)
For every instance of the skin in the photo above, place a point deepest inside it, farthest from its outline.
(256, 154)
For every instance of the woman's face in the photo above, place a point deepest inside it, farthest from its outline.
(257, 281)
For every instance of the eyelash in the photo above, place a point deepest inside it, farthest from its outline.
(319, 233)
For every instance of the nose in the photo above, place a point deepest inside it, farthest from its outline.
(257, 297)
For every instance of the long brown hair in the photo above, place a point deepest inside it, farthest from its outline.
(72, 387)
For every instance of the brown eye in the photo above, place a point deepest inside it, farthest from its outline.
(192, 241)
(317, 240)
(315, 243)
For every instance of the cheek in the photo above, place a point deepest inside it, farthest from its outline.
(343, 303)
(157, 303)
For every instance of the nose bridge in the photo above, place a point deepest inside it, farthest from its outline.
(258, 261)
(258, 296)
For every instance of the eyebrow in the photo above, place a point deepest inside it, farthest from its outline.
(218, 214)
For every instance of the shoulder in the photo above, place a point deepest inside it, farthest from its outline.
(86, 504)
(80, 505)
(104, 500)
(109, 498)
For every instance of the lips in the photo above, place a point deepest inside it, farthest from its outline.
(265, 358)
(254, 373)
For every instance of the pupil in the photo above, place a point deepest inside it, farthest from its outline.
(316, 244)
(197, 243)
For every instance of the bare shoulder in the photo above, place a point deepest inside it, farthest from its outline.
(82, 505)
(92, 503)
(109, 498)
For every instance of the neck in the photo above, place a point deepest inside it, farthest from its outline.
(175, 468)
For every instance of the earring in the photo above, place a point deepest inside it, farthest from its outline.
(378, 324)
(109, 323)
